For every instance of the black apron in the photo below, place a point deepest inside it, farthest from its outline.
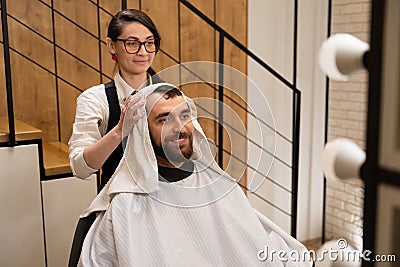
(113, 160)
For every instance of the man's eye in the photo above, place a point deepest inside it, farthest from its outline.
(185, 116)
(164, 120)
(150, 43)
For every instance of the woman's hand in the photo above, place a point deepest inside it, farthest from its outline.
(96, 154)
(129, 114)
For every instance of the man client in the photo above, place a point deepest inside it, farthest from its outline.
(169, 204)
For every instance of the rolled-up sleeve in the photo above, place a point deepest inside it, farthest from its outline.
(90, 125)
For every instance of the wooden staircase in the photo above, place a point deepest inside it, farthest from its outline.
(54, 154)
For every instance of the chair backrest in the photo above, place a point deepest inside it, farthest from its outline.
(81, 230)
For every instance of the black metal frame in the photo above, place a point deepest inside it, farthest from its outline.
(7, 67)
(369, 172)
(326, 127)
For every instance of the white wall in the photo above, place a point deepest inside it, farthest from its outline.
(21, 232)
(64, 200)
(270, 37)
(38, 219)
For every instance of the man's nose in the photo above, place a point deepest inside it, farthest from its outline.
(177, 126)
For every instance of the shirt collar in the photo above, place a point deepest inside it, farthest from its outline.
(124, 89)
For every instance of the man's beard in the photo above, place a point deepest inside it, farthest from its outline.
(174, 153)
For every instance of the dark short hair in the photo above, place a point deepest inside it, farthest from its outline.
(126, 16)
(168, 91)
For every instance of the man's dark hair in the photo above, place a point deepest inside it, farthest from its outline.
(168, 91)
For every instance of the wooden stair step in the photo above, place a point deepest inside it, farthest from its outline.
(23, 131)
(55, 158)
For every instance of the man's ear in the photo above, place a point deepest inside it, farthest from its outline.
(191, 106)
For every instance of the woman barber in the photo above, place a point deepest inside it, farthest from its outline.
(103, 111)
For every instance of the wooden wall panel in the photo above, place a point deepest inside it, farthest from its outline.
(34, 96)
(133, 4)
(235, 135)
(208, 6)
(198, 44)
(34, 14)
(111, 6)
(106, 79)
(200, 90)
(235, 81)
(162, 61)
(234, 21)
(2, 76)
(237, 76)
(67, 104)
(31, 45)
(76, 41)
(232, 17)
(235, 167)
(207, 110)
(3, 92)
(107, 64)
(76, 72)
(104, 20)
(197, 38)
(165, 16)
(82, 12)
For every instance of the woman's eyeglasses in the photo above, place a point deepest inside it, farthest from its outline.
(133, 46)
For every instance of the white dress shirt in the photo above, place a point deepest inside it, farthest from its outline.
(91, 121)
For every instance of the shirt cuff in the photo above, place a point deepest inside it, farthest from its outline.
(80, 168)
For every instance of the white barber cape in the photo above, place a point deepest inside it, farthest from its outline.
(202, 220)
